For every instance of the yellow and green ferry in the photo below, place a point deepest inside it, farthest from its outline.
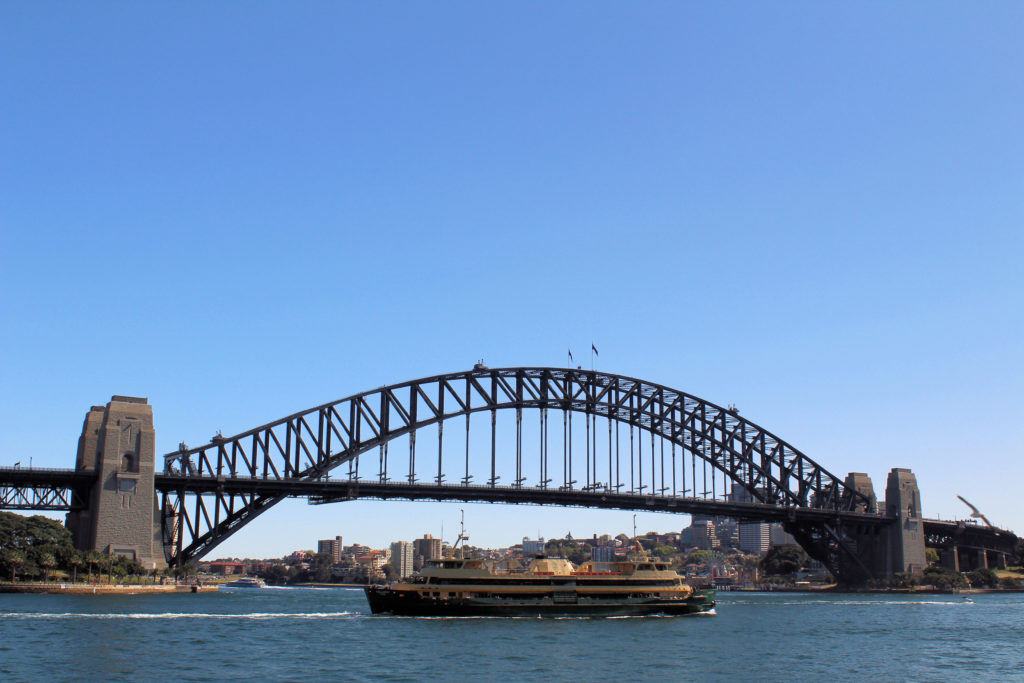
(547, 587)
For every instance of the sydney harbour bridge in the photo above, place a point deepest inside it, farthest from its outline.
(526, 435)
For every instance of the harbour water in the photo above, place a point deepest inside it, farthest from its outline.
(328, 633)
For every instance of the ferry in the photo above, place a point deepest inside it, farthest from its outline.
(547, 587)
(245, 582)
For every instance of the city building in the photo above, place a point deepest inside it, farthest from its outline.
(778, 536)
(702, 534)
(532, 548)
(331, 546)
(754, 537)
(428, 547)
(402, 554)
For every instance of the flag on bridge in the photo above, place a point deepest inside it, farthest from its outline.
(594, 349)
(570, 354)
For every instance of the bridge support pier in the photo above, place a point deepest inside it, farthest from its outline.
(950, 559)
(118, 444)
(905, 542)
(897, 548)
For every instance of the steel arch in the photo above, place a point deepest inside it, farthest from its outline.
(309, 444)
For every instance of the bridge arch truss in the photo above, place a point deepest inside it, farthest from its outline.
(679, 448)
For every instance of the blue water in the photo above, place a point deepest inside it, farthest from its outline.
(311, 634)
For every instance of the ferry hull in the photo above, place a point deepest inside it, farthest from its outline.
(386, 601)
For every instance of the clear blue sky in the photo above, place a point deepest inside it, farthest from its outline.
(239, 210)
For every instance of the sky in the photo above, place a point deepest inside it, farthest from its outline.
(813, 211)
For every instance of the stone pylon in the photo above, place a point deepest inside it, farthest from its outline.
(906, 536)
(118, 444)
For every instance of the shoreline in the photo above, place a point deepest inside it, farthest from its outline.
(105, 589)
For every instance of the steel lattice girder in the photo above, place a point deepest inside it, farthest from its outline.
(44, 489)
(309, 444)
(38, 498)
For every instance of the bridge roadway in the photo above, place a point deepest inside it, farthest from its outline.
(65, 490)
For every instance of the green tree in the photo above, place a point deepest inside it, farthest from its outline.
(783, 560)
(76, 561)
(931, 555)
(94, 560)
(12, 559)
(943, 579)
(699, 557)
(983, 577)
(47, 561)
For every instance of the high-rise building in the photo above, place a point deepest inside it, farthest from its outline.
(331, 546)
(755, 537)
(703, 536)
(402, 554)
(428, 547)
(778, 536)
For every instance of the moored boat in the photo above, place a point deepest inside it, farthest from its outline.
(547, 587)
(245, 582)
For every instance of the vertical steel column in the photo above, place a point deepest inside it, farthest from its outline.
(608, 486)
(519, 447)
(412, 434)
(466, 478)
(632, 481)
(440, 432)
(654, 470)
(545, 479)
(494, 418)
(586, 416)
(571, 480)
(565, 441)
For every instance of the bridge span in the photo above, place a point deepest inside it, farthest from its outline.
(490, 435)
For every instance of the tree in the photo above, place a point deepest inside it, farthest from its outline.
(943, 579)
(75, 561)
(93, 559)
(664, 551)
(783, 560)
(13, 559)
(39, 545)
(983, 577)
(1018, 554)
(931, 555)
(47, 561)
(699, 557)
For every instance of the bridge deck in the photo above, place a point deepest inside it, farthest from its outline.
(327, 491)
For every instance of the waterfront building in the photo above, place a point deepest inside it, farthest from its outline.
(331, 546)
(226, 567)
(602, 553)
(402, 554)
